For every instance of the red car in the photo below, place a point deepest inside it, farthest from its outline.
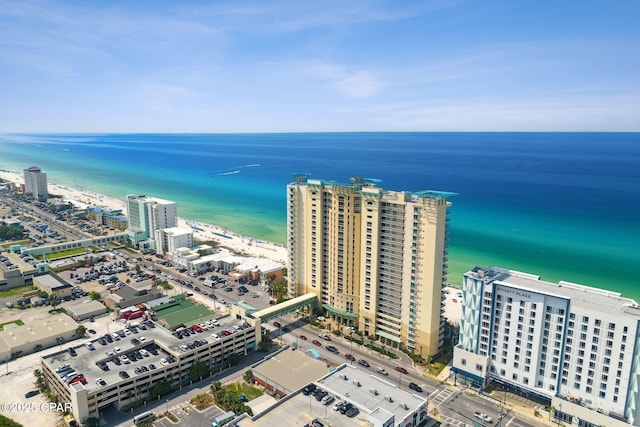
(316, 342)
(401, 369)
(302, 337)
(82, 380)
(276, 324)
(350, 357)
(196, 328)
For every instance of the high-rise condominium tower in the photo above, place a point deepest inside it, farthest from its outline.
(35, 183)
(147, 215)
(376, 259)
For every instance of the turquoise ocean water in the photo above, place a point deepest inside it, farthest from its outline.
(564, 206)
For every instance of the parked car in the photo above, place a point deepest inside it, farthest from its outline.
(31, 393)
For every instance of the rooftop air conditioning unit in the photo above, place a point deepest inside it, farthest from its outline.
(388, 398)
(373, 391)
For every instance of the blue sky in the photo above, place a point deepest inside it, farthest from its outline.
(271, 66)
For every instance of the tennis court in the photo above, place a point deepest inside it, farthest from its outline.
(181, 311)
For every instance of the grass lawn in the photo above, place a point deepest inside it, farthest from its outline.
(16, 291)
(202, 401)
(435, 368)
(16, 242)
(64, 254)
(249, 391)
(17, 322)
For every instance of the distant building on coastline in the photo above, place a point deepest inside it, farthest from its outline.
(35, 183)
(108, 217)
(376, 259)
(574, 347)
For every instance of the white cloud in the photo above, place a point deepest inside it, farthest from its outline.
(350, 82)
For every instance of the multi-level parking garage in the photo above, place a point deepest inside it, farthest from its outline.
(126, 369)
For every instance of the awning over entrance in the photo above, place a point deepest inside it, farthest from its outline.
(388, 336)
(467, 374)
(339, 312)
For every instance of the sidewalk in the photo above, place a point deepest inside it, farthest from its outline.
(525, 409)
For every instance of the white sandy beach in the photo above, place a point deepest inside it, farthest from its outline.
(204, 232)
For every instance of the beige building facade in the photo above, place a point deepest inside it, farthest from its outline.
(375, 259)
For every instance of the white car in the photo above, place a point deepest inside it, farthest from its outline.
(142, 339)
(117, 349)
(482, 416)
(144, 352)
(337, 405)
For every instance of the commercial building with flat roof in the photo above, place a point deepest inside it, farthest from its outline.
(380, 402)
(53, 284)
(17, 340)
(376, 259)
(288, 371)
(86, 310)
(575, 347)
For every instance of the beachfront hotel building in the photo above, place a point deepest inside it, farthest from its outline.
(375, 259)
(574, 347)
(146, 216)
(35, 183)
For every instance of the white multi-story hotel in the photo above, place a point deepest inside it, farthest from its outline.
(574, 346)
(169, 240)
(35, 183)
(375, 259)
(147, 215)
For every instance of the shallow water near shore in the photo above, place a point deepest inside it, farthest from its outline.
(560, 205)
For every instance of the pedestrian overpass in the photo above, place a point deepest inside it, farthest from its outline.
(287, 307)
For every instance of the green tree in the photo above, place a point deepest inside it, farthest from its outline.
(161, 388)
(81, 330)
(279, 289)
(215, 386)
(248, 376)
(138, 269)
(95, 295)
(198, 371)
(52, 300)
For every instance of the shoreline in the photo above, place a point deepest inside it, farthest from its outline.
(245, 245)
